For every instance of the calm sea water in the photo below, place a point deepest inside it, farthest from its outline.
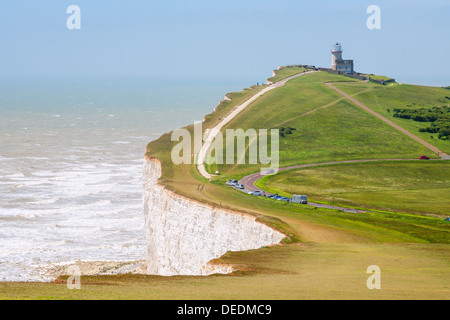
(71, 155)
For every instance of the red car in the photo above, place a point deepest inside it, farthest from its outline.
(424, 158)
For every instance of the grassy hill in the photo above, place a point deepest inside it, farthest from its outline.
(327, 127)
(326, 252)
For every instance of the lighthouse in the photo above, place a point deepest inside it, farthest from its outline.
(339, 64)
(336, 55)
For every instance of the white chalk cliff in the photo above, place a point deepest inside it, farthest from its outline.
(183, 235)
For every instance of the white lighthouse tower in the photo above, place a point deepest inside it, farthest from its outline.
(336, 55)
(339, 64)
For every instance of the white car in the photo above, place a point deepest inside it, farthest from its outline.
(257, 193)
(231, 183)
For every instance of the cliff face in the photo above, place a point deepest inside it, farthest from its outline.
(184, 235)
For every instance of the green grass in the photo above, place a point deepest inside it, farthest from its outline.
(417, 187)
(376, 77)
(286, 72)
(381, 98)
(328, 127)
(227, 105)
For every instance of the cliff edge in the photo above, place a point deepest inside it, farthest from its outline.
(184, 235)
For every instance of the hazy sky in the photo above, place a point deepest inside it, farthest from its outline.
(215, 38)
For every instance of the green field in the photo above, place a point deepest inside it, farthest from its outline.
(328, 127)
(326, 252)
(411, 187)
(384, 98)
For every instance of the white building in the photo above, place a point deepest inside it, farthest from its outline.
(339, 64)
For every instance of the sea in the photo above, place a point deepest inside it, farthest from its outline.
(71, 160)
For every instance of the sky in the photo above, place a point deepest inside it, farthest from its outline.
(225, 39)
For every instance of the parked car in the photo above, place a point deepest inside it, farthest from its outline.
(300, 199)
(240, 186)
(257, 193)
(286, 199)
(424, 158)
(232, 183)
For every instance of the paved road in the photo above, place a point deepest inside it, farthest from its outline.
(214, 131)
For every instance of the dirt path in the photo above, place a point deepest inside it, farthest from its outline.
(409, 134)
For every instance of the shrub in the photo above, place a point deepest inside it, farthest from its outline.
(284, 131)
(419, 118)
(438, 116)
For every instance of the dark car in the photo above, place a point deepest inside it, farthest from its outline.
(424, 158)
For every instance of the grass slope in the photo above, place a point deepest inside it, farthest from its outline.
(381, 98)
(328, 127)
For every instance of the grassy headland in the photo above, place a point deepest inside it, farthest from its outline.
(327, 252)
